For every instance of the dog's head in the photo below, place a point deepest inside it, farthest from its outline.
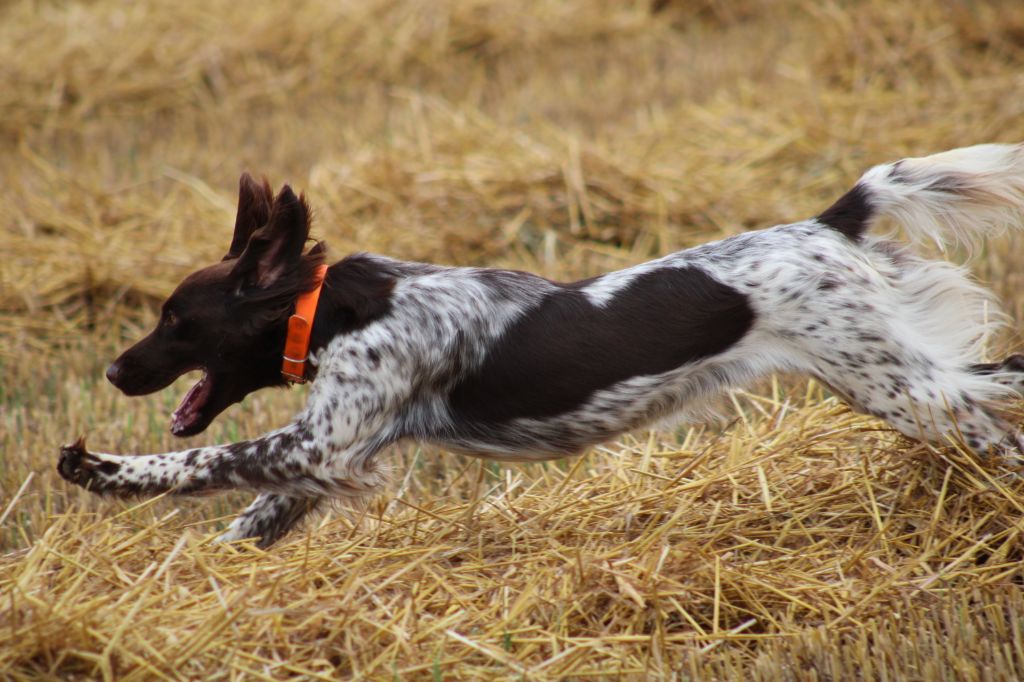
(229, 320)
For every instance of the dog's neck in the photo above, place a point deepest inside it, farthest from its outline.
(300, 328)
(356, 291)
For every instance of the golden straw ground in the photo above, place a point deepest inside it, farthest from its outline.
(792, 540)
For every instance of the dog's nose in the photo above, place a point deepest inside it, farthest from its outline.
(114, 373)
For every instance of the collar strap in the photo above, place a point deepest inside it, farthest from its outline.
(300, 325)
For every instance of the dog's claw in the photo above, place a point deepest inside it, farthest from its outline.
(72, 459)
(78, 465)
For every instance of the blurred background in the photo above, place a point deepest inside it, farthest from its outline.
(567, 137)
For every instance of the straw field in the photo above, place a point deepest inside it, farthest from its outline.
(791, 540)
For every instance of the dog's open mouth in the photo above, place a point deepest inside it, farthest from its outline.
(190, 411)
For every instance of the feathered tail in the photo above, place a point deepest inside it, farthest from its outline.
(959, 196)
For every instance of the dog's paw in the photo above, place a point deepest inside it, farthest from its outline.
(81, 467)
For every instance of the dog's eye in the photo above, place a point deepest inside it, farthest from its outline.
(170, 319)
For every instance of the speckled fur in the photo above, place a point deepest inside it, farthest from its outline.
(897, 336)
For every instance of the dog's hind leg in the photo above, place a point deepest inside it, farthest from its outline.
(922, 399)
(900, 338)
(269, 517)
(929, 404)
(1009, 372)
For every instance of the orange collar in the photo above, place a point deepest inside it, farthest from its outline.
(300, 325)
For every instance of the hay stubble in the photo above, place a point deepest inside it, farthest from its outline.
(794, 539)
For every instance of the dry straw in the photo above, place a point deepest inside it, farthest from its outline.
(799, 541)
(795, 540)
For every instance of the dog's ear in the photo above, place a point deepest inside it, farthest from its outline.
(275, 248)
(254, 202)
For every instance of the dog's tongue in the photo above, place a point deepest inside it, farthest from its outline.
(191, 405)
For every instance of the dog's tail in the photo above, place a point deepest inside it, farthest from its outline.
(957, 196)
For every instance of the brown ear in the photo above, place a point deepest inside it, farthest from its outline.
(254, 201)
(275, 248)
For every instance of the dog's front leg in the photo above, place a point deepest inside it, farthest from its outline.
(293, 461)
(270, 517)
(327, 451)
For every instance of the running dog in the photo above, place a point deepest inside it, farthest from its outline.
(510, 365)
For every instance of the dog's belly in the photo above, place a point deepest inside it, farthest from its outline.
(680, 393)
